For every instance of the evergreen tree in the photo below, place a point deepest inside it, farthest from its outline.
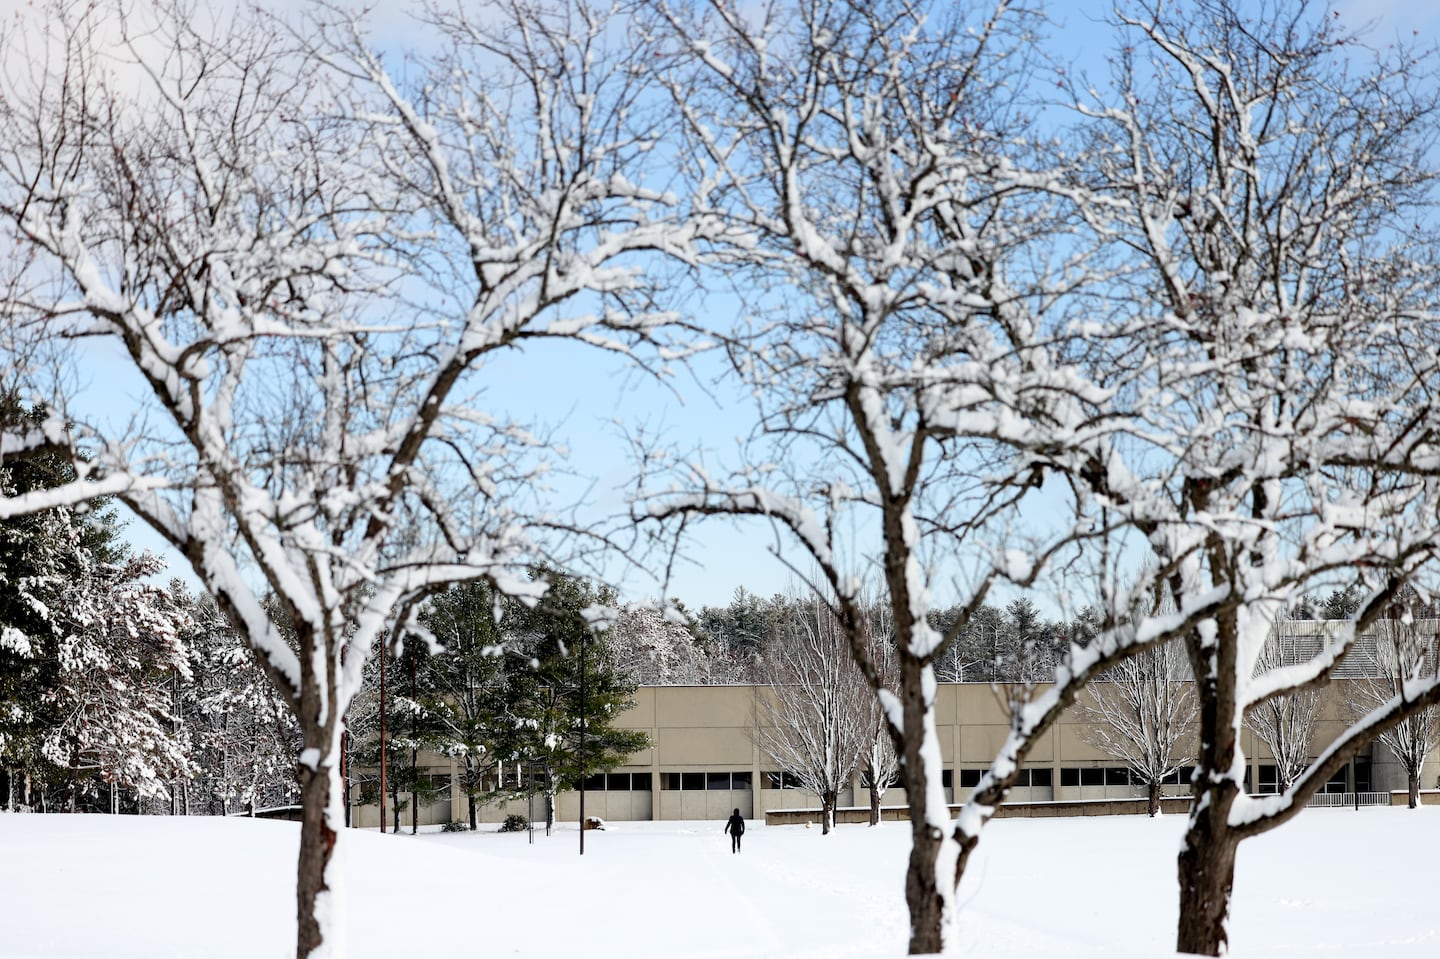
(460, 678)
(243, 739)
(43, 555)
(536, 708)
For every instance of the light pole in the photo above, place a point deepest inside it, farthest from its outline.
(582, 744)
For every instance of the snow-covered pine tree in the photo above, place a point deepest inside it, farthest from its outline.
(119, 647)
(243, 739)
(536, 708)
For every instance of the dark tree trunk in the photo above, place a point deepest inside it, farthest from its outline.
(874, 803)
(827, 812)
(1413, 786)
(923, 895)
(74, 782)
(317, 845)
(1152, 798)
(345, 773)
(927, 908)
(470, 789)
(1207, 876)
(1206, 863)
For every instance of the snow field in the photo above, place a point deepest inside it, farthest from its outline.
(1332, 883)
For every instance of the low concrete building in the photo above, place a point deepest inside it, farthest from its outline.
(705, 761)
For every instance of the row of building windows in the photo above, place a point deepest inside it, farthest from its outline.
(711, 781)
(618, 782)
(970, 778)
(1266, 779)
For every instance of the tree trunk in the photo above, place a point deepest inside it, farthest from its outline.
(469, 781)
(317, 906)
(345, 772)
(74, 782)
(1152, 799)
(875, 798)
(928, 896)
(1413, 785)
(827, 812)
(1207, 856)
(922, 890)
(1207, 876)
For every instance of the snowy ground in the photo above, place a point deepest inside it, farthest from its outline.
(1332, 883)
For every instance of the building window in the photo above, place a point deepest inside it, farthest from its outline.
(1363, 781)
(640, 782)
(1043, 777)
(1339, 783)
(617, 782)
(1069, 776)
(1180, 777)
(1269, 779)
(970, 778)
(595, 783)
(1117, 776)
(780, 780)
(1092, 776)
(947, 778)
(687, 781)
(740, 780)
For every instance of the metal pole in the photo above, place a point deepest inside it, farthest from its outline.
(582, 744)
(382, 738)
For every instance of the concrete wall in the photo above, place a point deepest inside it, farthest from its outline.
(703, 730)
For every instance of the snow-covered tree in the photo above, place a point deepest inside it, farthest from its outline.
(817, 714)
(463, 620)
(243, 739)
(58, 570)
(303, 262)
(879, 763)
(656, 648)
(553, 703)
(1143, 713)
(1270, 349)
(1405, 651)
(897, 241)
(1284, 722)
(119, 647)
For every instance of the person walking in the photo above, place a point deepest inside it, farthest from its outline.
(735, 826)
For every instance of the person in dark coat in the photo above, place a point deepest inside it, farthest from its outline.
(735, 826)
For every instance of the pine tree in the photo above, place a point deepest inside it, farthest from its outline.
(463, 621)
(243, 739)
(43, 556)
(537, 710)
